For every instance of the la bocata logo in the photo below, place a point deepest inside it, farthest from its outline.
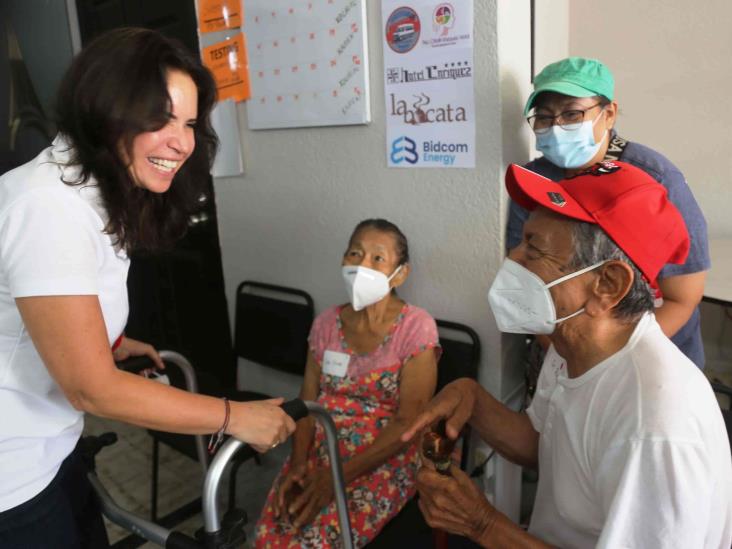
(420, 110)
(404, 149)
(443, 19)
(402, 29)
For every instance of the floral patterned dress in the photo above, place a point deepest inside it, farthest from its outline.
(362, 402)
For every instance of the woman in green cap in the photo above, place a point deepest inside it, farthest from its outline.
(573, 113)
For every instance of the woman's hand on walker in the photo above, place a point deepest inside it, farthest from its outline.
(263, 424)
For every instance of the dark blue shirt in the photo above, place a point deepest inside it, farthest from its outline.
(688, 338)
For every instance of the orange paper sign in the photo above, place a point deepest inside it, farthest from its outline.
(215, 15)
(229, 63)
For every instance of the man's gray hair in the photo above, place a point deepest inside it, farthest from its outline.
(592, 245)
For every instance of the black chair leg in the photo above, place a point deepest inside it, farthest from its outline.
(154, 491)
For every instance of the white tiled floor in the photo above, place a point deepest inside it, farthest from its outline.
(124, 469)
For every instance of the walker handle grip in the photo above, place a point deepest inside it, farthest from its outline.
(295, 408)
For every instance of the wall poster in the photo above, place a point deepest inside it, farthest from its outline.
(216, 15)
(428, 83)
(227, 61)
(308, 63)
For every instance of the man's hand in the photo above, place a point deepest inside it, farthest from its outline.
(455, 504)
(129, 347)
(454, 403)
(317, 493)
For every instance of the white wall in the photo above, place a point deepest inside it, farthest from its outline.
(551, 32)
(671, 61)
(288, 219)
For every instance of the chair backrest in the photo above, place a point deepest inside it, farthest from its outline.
(460, 355)
(272, 325)
(460, 358)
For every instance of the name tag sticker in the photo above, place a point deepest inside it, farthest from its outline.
(335, 363)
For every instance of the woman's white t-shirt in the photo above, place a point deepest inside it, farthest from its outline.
(52, 242)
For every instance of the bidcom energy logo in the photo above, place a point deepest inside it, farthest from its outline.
(404, 149)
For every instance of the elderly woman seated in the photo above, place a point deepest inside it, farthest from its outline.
(373, 365)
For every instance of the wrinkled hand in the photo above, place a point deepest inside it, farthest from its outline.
(454, 403)
(455, 504)
(129, 347)
(295, 478)
(317, 493)
(263, 424)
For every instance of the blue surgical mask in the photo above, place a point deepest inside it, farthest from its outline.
(570, 148)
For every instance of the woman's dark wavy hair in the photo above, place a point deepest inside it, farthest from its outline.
(116, 89)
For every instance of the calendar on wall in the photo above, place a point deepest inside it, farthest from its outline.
(308, 63)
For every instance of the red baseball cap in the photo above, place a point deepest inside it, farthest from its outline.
(627, 203)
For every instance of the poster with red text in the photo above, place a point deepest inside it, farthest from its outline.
(216, 15)
(227, 60)
(308, 63)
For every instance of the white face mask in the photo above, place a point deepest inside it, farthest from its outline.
(521, 301)
(366, 286)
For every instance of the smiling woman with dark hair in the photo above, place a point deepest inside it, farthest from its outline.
(102, 111)
(125, 172)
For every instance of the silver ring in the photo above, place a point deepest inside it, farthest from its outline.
(274, 446)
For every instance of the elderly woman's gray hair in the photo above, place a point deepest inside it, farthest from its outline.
(592, 245)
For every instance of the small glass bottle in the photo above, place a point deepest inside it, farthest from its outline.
(438, 447)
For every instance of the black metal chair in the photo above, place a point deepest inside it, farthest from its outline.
(272, 324)
(460, 358)
(271, 327)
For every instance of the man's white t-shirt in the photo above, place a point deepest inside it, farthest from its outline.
(633, 453)
(52, 242)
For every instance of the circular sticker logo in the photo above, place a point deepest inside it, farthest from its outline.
(402, 29)
(443, 19)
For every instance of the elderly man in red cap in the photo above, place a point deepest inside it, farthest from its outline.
(625, 430)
